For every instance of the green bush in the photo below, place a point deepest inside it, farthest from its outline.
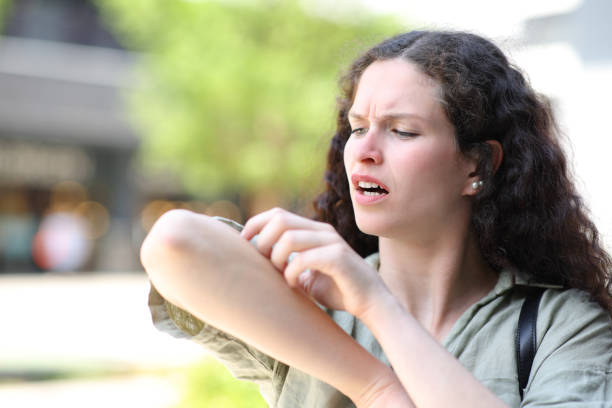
(210, 385)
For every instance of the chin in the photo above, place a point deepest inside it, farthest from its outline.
(371, 226)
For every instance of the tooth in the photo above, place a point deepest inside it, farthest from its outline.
(366, 184)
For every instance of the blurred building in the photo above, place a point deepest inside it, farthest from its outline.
(65, 145)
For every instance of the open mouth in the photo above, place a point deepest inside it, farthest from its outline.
(371, 189)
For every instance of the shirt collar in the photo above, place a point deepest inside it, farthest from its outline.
(508, 279)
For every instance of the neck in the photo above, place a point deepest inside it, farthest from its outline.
(437, 280)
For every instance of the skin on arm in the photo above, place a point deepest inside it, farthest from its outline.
(206, 268)
(430, 375)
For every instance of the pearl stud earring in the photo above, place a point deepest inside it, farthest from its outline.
(477, 184)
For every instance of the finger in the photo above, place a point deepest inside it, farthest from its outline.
(323, 259)
(274, 223)
(274, 229)
(322, 289)
(292, 241)
(306, 279)
(254, 225)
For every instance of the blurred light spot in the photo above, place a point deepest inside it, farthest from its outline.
(263, 200)
(152, 211)
(61, 243)
(96, 216)
(225, 209)
(13, 202)
(197, 206)
(66, 195)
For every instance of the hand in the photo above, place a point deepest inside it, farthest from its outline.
(322, 264)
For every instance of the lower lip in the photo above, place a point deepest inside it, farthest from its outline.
(369, 199)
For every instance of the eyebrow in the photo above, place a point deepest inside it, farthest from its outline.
(392, 116)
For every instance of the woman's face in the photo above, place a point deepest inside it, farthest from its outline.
(406, 174)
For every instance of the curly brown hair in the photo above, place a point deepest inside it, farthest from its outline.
(528, 214)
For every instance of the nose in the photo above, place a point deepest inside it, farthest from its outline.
(367, 149)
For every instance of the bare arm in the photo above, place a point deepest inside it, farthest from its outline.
(431, 376)
(206, 268)
(423, 366)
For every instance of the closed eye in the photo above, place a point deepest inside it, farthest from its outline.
(404, 134)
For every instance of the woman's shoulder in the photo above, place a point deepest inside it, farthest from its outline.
(570, 324)
(560, 308)
(571, 315)
(571, 308)
(573, 360)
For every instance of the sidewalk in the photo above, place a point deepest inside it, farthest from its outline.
(85, 323)
(114, 392)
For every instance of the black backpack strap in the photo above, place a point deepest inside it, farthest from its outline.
(526, 335)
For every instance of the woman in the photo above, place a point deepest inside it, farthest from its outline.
(446, 172)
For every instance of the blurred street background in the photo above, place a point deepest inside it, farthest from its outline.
(115, 111)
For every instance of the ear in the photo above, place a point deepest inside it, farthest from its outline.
(497, 154)
(474, 182)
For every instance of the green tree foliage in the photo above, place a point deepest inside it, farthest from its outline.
(4, 10)
(238, 96)
(209, 384)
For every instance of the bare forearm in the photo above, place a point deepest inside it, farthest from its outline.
(431, 375)
(220, 278)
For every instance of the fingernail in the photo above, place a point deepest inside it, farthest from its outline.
(304, 277)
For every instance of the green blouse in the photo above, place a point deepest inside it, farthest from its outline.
(572, 366)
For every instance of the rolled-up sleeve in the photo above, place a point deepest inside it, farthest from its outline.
(242, 360)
